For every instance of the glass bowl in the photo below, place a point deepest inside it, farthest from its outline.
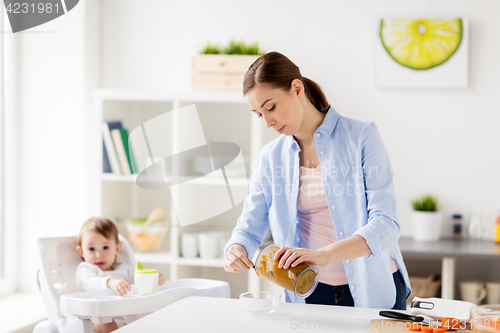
(145, 239)
(486, 318)
(260, 302)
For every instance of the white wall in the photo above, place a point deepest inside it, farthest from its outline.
(50, 115)
(440, 141)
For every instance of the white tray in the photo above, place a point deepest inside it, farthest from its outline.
(102, 305)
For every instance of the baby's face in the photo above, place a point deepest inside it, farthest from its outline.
(98, 250)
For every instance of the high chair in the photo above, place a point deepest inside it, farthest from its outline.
(69, 311)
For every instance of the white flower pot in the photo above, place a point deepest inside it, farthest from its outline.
(426, 226)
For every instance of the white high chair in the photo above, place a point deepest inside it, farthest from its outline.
(69, 311)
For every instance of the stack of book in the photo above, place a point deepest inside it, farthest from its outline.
(118, 157)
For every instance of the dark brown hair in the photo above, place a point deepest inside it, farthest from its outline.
(101, 226)
(277, 71)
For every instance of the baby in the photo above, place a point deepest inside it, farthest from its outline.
(98, 245)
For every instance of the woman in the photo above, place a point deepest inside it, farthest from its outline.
(325, 189)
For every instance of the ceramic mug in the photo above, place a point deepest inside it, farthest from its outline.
(209, 244)
(473, 291)
(189, 245)
(493, 292)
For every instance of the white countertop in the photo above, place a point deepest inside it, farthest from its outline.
(209, 314)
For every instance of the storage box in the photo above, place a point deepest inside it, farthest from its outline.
(220, 71)
(424, 287)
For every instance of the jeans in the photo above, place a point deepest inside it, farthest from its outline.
(341, 295)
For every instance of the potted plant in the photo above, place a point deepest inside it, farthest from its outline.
(426, 219)
(223, 68)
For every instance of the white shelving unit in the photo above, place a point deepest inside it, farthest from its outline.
(225, 117)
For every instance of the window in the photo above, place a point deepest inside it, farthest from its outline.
(2, 234)
(7, 282)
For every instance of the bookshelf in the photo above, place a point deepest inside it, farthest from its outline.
(225, 117)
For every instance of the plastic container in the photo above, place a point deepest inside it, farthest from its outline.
(497, 229)
(301, 280)
(486, 318)
(457, 226)
(146, 280)
(475, 228)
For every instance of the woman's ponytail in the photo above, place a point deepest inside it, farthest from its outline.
(315, 94)
(276, 70)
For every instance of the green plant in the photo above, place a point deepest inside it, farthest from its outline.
(211, 49)
(234, 47)
(254, 49)
(425, 203)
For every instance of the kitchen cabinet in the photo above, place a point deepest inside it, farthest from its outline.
(224, 117)
(449, 251)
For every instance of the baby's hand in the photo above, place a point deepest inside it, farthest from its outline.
(119, 285)
(161, 280)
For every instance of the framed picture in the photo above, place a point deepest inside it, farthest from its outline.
(421, 53)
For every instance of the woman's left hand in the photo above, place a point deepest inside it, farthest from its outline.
(295, 256)
(161, 279)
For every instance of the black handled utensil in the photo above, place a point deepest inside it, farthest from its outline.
(403, 316)
(421, 319)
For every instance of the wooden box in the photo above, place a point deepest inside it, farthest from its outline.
(220, 71)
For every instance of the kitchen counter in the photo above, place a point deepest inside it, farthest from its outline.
(451, 248)
(448, 251)
(208, 314)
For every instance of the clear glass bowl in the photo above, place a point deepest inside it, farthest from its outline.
(148, 239)
(486, 318)
(261, 302)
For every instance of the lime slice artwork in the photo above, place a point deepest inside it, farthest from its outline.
(421, 44)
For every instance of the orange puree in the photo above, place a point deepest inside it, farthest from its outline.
(290, 278)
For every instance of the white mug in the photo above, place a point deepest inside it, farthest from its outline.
(473, 291)
(189, 245)
(146, 284)
(224, 237)
(209, 244)
(493, 292)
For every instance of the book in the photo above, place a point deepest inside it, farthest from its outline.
(140, 155)
(128, 150)
(106, 167)
(107, 126)
(120, 151)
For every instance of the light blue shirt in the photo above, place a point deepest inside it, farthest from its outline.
(357, 178)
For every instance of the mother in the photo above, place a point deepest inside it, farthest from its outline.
(325, 189)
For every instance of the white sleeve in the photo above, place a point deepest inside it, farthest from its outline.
(87, 278)
(131, 274)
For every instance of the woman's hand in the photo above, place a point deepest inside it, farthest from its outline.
(120, 286)
(236, 259)
(161, 279)
(295, 256)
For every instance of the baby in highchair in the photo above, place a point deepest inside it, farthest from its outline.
(98, 245)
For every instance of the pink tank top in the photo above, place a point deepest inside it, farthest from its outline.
(316, 228)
